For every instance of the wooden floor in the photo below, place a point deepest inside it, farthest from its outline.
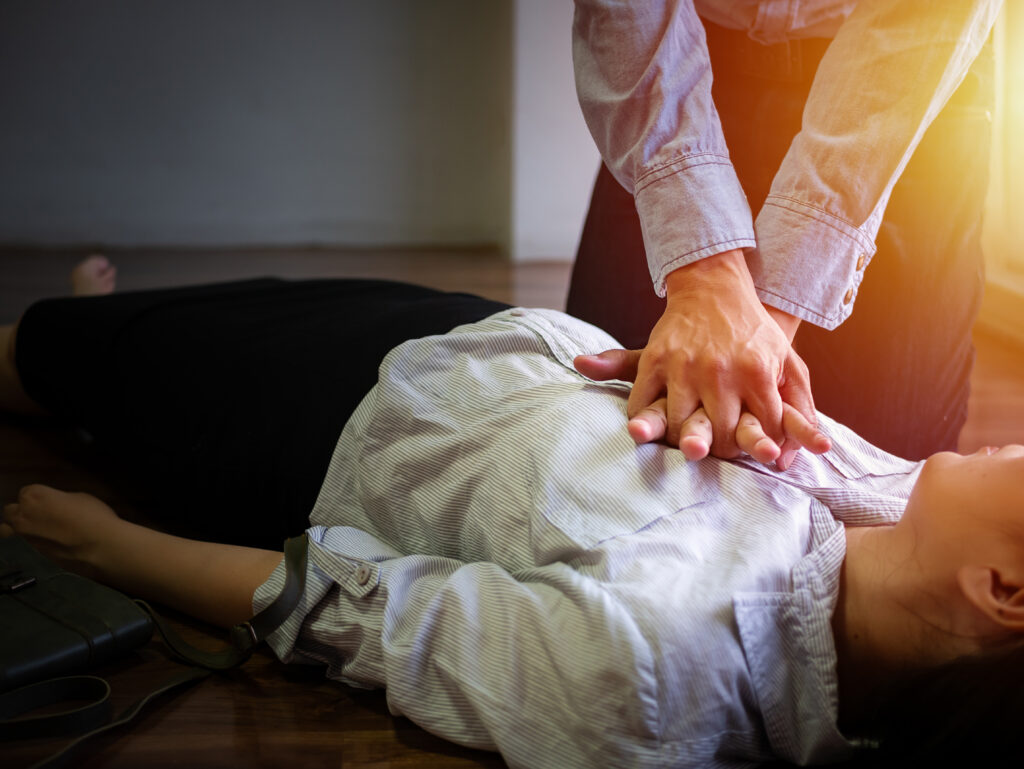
(267, 714)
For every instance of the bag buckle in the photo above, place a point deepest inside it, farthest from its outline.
(16, 584)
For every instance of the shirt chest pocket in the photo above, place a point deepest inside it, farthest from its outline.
(599, 503)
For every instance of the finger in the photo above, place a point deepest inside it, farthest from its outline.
(610, 364)
(6, 531)
(695, 435)
(683, 403)
(751, 438)
(795, 387)
(648, 387)
(764, 405)
(650, 423)
(800, 434)
(723, 409)
(10, 510)
(803, 432)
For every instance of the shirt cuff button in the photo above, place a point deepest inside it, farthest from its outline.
(861, 261)
(363, 574)
(849, 297)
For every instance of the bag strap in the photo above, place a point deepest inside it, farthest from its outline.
(246, 636)
(94, 716)
(93, 691)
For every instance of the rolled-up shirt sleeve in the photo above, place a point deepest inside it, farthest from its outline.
(885, 77)
(542, 663)
(643, 77)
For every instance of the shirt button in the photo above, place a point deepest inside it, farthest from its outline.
(516, 313)
(363, 574)
(849, 297)
(860, 262)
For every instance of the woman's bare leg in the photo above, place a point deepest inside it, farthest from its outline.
(210, 581)
(93, 276)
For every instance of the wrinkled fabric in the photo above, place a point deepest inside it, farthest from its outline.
(644, 82)
(491, 546)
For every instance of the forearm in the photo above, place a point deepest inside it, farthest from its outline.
(210, 581)
(643, 76)
(885, 77)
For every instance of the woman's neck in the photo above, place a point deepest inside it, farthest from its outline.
(885, 619)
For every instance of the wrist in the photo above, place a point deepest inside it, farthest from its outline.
(788, 323)
(723, 266)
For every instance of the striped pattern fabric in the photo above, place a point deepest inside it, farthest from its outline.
(491, 546)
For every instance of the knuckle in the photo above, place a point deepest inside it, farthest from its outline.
(715, 364)
(799, 369)
(699, 419)
(654, 357)
(749, 421)
(652, 413)
(753, 364)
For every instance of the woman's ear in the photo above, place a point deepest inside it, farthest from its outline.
(999, 601)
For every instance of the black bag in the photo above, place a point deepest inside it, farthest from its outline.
(55, 622)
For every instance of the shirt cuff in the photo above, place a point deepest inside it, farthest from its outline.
(808, 262)
(356, 575)
(691, 208)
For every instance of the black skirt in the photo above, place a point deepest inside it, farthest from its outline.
(227, 399)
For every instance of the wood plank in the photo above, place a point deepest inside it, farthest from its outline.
(269, 714)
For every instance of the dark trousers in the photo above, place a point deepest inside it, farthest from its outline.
(898, 370)
(226, 400)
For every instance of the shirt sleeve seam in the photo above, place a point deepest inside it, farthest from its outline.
(798, 207)
(672, 167)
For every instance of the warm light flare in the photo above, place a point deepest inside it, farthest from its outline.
(1005, 211)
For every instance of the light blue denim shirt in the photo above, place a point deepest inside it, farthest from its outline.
(644, 83)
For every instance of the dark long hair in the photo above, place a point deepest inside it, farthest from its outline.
(967, 712)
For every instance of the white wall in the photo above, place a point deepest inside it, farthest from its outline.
(252, 122)
(554, 160)
(256, 121)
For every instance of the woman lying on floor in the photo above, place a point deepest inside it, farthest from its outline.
(488, 543)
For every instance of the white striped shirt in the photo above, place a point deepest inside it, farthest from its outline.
(491, 546)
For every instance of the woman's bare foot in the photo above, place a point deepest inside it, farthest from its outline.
(93, 276)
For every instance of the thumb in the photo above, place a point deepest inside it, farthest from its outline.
(795, 387)
(610, 364)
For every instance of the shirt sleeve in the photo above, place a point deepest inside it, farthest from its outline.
(885, 77)
(643, 77)
(539, 664)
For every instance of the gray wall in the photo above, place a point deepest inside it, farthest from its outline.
(125, 122)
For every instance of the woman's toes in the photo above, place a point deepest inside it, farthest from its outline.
(93, 276)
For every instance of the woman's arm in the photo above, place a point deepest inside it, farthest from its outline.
(206, 580)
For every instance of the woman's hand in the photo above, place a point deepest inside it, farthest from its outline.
(70, 528)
